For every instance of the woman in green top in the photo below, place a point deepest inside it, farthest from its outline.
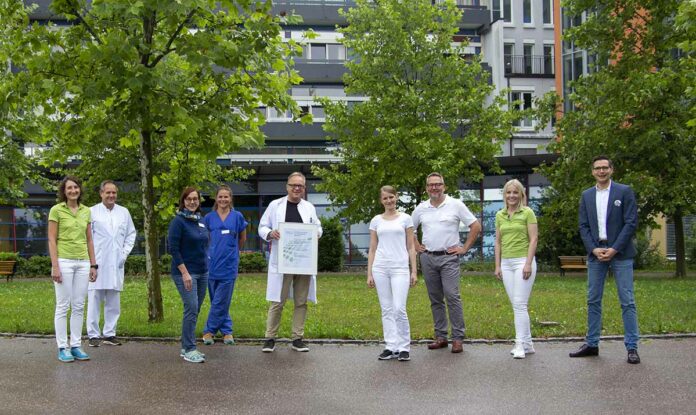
(516, 238)
(73, 265)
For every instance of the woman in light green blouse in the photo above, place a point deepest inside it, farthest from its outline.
(73, 265)
(516, 236)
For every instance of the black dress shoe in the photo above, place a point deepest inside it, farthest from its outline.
(633, 357)
(585, 351)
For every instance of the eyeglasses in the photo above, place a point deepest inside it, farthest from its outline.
(191, 199)
(435, 184)
(602, 168)
(296, 186)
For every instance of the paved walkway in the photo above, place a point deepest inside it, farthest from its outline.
(146, 377)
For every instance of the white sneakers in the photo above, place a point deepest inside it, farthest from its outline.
(521, 350)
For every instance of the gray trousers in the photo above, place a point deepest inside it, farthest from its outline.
(441, 274)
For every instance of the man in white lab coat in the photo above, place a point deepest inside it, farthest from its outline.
(113, 233)
(291, 208)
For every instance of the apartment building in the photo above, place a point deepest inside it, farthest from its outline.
(513, 37)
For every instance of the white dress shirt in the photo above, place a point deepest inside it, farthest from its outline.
(602, 200)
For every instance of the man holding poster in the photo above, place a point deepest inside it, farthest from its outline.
(289, 209)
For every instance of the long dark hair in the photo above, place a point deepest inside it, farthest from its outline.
(61, 188)
(187, 191)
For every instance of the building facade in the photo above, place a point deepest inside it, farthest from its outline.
(515, 39)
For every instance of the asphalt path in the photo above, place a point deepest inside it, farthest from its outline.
(151, 378)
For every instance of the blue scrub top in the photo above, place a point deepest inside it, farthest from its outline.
(223, 252)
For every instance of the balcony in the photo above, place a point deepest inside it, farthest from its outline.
(321, 70)
(476, 15)
(528, 66)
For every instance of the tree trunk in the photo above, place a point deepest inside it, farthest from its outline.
(154, 289)
(678, 219)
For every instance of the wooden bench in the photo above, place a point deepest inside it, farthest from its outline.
(572, 262)
(7, 269)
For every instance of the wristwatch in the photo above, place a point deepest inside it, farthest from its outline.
(95, 266)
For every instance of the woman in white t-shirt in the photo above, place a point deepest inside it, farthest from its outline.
(391, 252)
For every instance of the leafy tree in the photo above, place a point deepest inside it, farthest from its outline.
(331, 248)
(147, 91)
(632, 108)
(428, 107)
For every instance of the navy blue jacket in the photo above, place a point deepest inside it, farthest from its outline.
(188, 244)
(622, 220)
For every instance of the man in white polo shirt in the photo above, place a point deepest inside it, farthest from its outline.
(440, 250)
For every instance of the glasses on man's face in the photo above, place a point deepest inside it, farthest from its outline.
(601, 168)
(296, 186)
(435, 184)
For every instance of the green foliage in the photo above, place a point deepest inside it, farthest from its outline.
(632, 108)
(331, 245)
(8, 256)
(165, 263)
(558, 228)
(251, 262)
(135, 265)
(148, 92)
(35, 266)
(648, 256)
(428, 107)
(691, 246)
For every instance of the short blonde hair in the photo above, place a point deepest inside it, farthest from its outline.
(523, 195)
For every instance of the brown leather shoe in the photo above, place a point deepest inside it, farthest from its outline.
(439, 343)
(457, 346)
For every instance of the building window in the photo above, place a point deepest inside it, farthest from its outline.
(548, 59)
(524, 151)
(495, 9)
(318, 52)
(507, 11)
(528, 58)
(336, 52)
(522, 101)
(547, 11)
(527, 11)
(508, 51)
(318, 112)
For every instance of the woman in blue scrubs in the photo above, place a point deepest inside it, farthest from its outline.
(227, 229)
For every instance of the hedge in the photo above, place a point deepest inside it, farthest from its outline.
(40, 266)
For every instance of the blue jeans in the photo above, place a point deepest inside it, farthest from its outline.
(192, 306)
(623, 275)
(220, 298)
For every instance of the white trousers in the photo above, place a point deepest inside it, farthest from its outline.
(518, 291)
(392, 289)
(112, 310)
(70, 295)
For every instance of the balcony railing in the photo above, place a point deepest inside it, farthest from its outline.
(529, 66)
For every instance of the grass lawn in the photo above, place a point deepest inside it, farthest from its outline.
(347, 309)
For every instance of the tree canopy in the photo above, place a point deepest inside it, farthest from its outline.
(631, 107)
(427, 107)
(146, 91)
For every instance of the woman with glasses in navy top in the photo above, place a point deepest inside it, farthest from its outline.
(188, 245)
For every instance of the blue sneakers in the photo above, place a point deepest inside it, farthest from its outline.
(78, 354)
(65, 356)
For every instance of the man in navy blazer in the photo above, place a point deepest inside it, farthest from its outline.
(608, 219)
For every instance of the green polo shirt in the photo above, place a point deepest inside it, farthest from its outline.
(514, 238)
(72, 230)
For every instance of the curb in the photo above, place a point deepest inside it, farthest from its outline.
(145, 339)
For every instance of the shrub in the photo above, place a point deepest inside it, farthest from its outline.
(165, 264)
(647, 255)
(135, 264)
(8, 256)
(250, 261)
(36, 266)
(331, 246)
(691, 246)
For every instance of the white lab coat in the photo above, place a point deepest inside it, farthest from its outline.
(274, 214)
(113, 234)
